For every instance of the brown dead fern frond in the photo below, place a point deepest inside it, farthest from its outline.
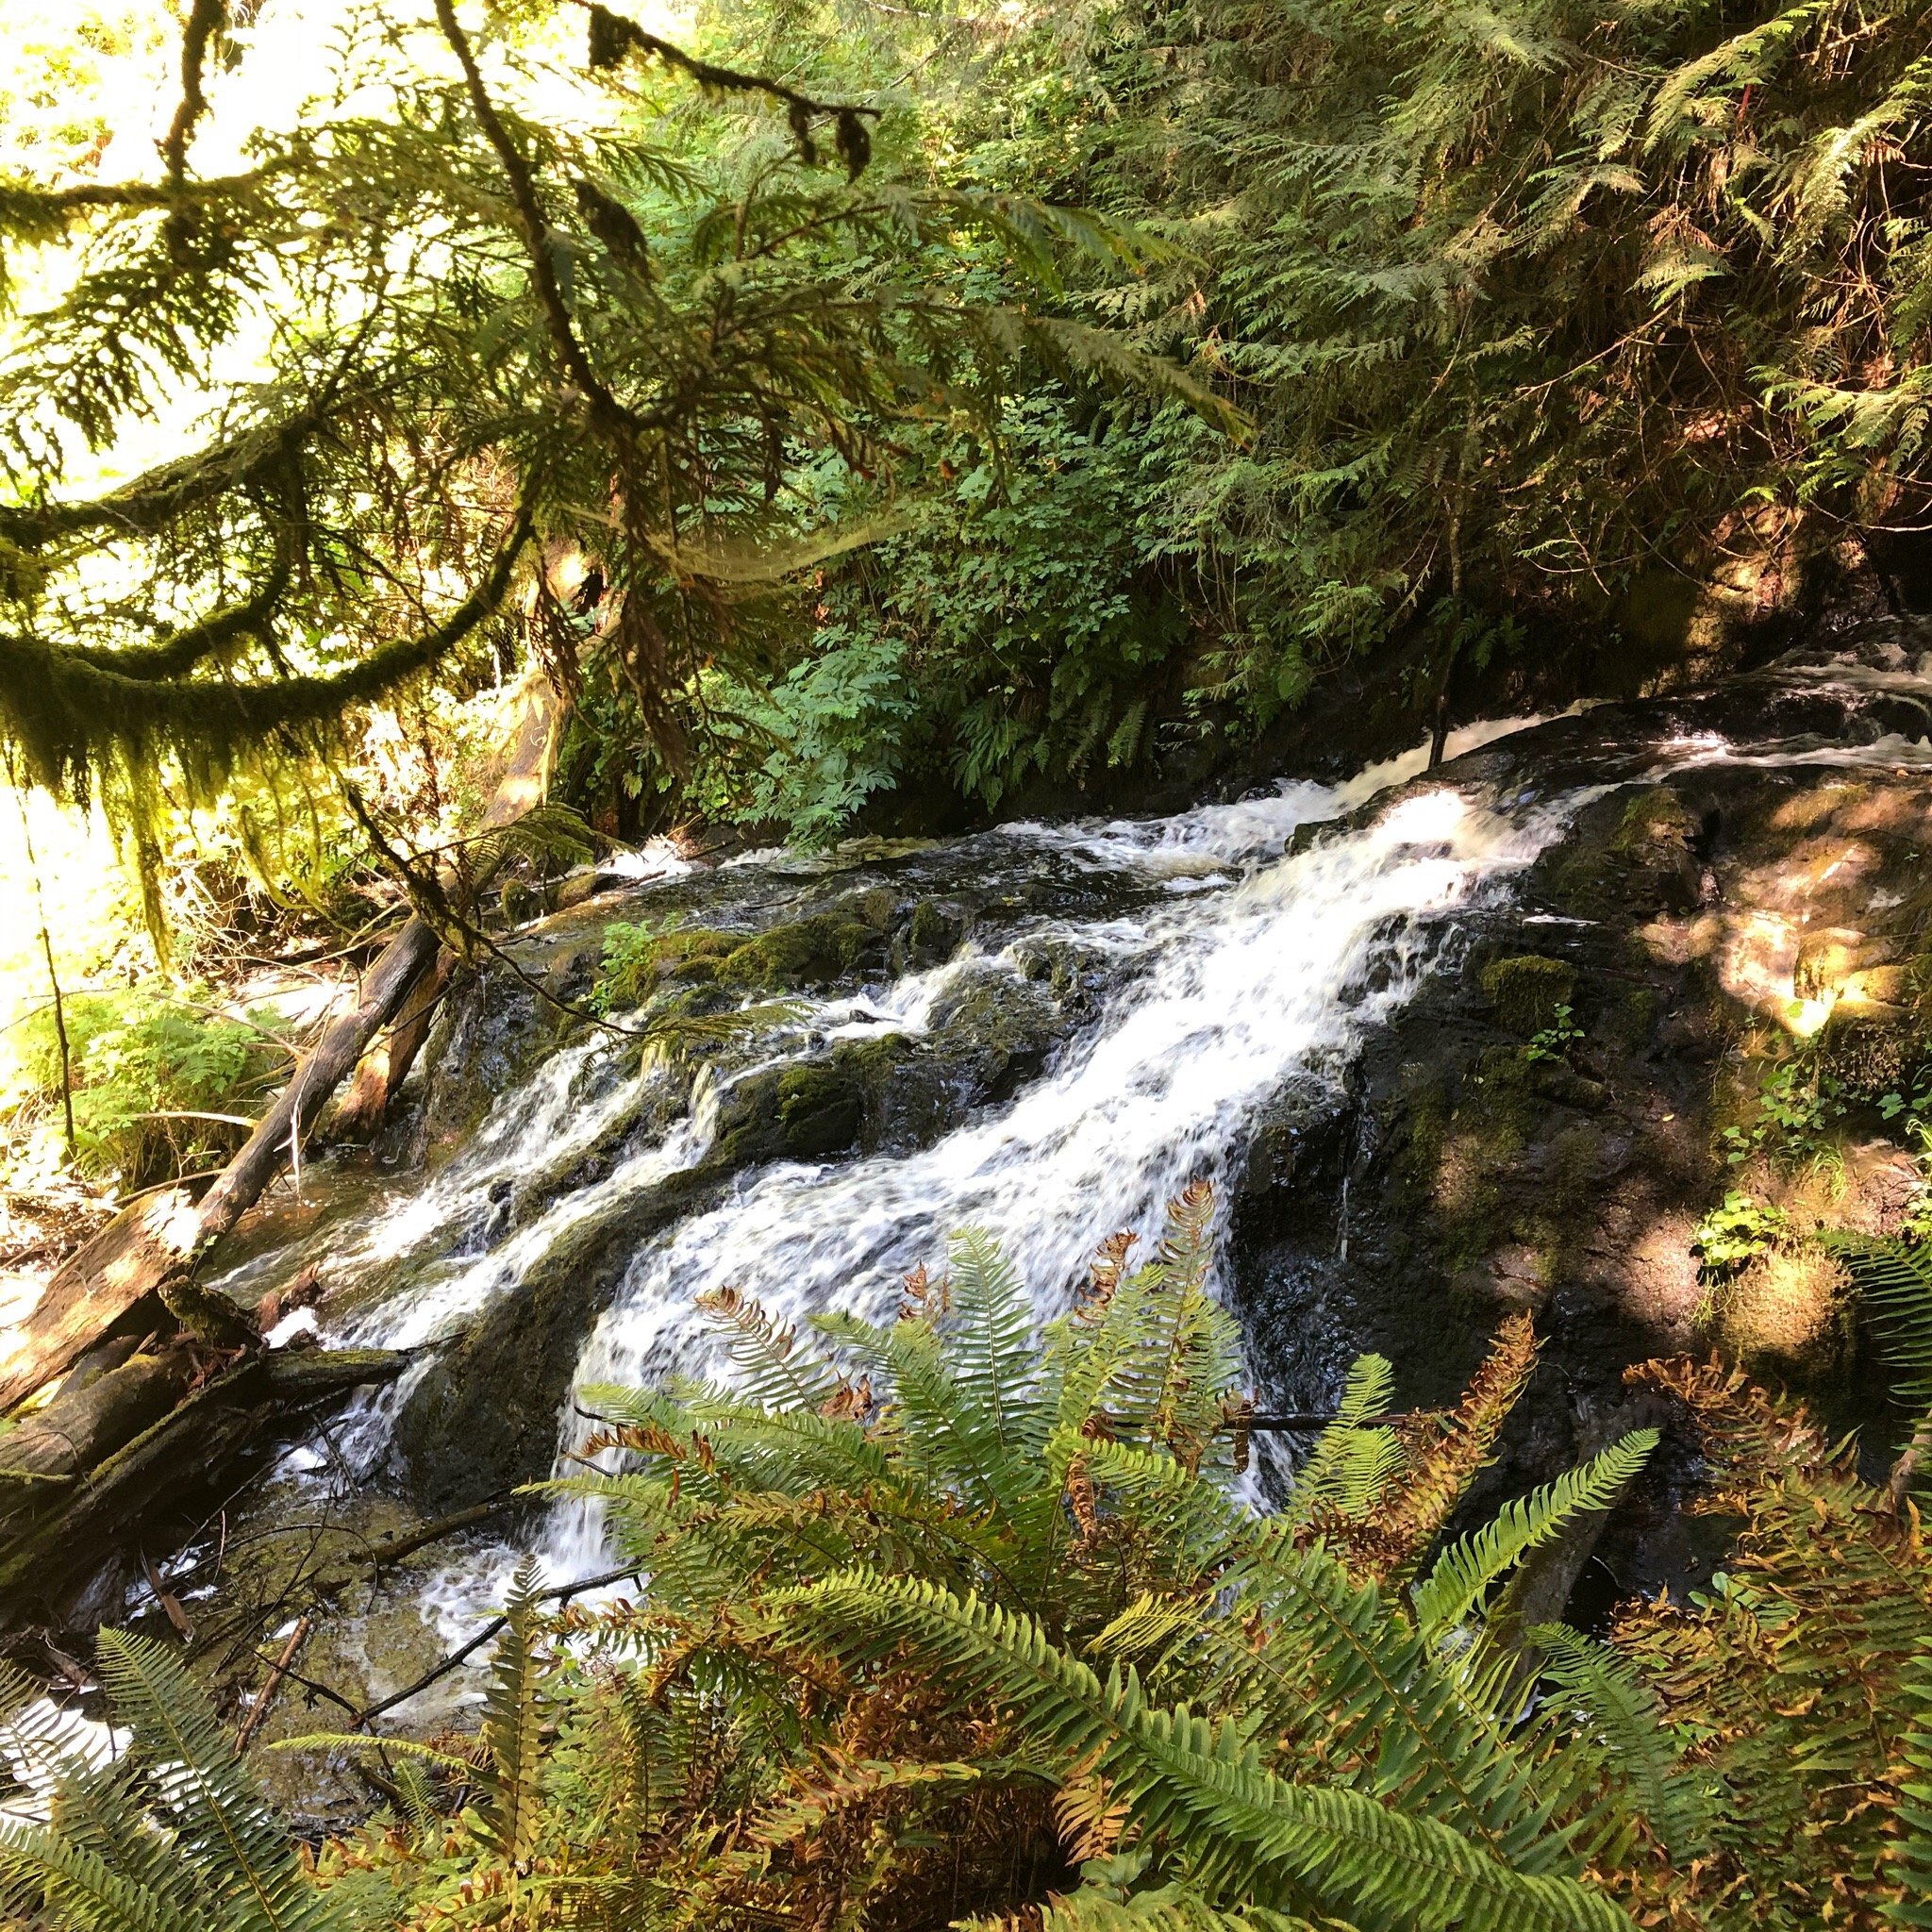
(1440, 1471)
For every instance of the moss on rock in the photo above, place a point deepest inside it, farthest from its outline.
(934, 933)
(807, 952)
(1526, 990)
(1633, 859)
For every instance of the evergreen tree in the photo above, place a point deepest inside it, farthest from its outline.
(467, 316)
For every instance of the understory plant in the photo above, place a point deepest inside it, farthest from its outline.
(162, 1080)
(948, 1621)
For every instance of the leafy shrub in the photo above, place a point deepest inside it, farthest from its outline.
(149, 1068)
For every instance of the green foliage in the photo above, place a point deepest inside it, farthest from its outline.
(1015, 625)
(1553, 1042)
(1736, 1232)
(524, 315)
(1799, 1104)
(631, 954)
(1790, 1685)
(153, 1073)
(170, 1835)
(947, 1621)
(1465, 1571)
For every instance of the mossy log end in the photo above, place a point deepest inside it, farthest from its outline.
(61, 1529)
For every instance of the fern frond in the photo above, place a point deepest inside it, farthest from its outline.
(1910, 1861)
(46, 1878)
(1463, 1572)
(992, 1351)
(1895, 1278)
(1602, 1691)
(513, 1718)
(222, 1824)
(1354, 1459)
(1203, 1787)
(772, 1370)
(1441, 1473)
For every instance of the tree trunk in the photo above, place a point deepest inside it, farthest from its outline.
(385, 1063)
(157, 1244)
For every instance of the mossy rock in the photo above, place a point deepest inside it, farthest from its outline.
(808, 952)
(1633, 859)
(1787, 1315)
(1526, 988)
(1656, 822)
(877, 908)
(934, 933)
(690, 954)
(812, 1110)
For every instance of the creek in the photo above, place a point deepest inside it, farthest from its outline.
(1043, 1031)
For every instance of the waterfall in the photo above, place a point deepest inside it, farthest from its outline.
(1260, 938)
(1236, 987)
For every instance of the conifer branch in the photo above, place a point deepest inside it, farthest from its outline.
(612, 36)
(60, 707)
(205, 19)
(535, 230)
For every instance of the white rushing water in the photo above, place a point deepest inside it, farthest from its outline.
(1247, 963)
(1223, 996)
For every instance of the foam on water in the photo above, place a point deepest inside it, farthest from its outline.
(1266, 962)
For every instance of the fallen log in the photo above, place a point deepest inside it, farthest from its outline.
(156, 1245)
(83, 1426)
(71, 1523)
(385, 1064)
(149, 1241)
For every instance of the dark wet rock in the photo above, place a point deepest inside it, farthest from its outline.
(934, 932)
(482, 1414)
(1461, 1172)
(815, 952)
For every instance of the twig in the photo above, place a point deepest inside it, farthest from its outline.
(277, 1670)
(561, 1594)
(380, 1554)
(171, 1606)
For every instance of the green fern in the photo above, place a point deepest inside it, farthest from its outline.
(1202, 1786)
(1895, 1278)
(1462, 1575)
(1595, 1688)
(172, 1836)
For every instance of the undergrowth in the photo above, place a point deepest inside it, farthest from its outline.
(948, 1621)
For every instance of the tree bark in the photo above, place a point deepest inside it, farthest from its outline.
(158, 1243)
(71, 1521)
(81, 1427)
(387, 1062)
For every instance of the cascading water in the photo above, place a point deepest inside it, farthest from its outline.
(1243, 956)
(1235, 989)
(1195, 968)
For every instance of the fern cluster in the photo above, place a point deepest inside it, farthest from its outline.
(949, 1622)
(942, 1616)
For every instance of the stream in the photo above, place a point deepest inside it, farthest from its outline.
(1219, 952)
(1112, 1009)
